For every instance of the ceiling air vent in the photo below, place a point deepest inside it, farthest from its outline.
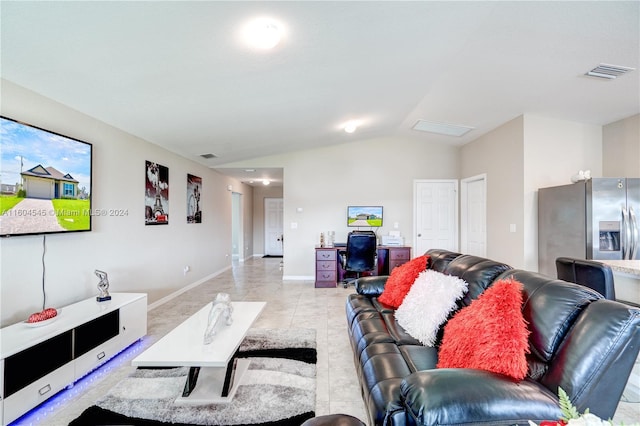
(441, 128)
(608, 71)
(208, 156)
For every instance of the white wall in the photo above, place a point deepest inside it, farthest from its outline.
(324, 181)
(621, 148)
(522, 155)
(138, 258)
(554, 150)
(499, 154)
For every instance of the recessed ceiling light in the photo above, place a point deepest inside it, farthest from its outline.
(208, 156)
(263, 33)
(442, 128)
(249, 170)
(265, 182)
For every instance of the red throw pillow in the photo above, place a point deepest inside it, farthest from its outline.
(489, 334)
(400, 281)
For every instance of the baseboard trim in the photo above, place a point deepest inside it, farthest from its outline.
(184, 289)
(298, 278)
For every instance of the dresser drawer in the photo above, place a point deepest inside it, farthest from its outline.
(399, 254)
(326, 275)
(326, 255)
(325, 265)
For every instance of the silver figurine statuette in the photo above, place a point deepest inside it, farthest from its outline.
(103, 286)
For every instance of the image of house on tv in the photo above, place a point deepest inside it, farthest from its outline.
(49, 183)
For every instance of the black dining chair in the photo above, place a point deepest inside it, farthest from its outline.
(589, 273)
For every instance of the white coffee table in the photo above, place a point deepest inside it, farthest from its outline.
(215, 372)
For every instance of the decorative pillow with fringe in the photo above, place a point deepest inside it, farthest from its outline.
(400, 281)
(489, 334)
(428, 303)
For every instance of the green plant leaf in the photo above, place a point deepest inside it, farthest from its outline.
(569, 411)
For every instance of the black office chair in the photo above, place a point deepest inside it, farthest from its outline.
(361, 254)
(589, 273)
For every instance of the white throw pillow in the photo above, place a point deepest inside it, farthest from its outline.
(428, 303)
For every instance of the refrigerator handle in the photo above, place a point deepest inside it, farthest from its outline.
(625, 235)
(633, 228)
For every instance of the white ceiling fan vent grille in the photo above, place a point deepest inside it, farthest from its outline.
(608, 71)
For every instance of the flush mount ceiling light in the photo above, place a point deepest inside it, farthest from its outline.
(442, 128)
(351, 126)
(263, 33)
(608, 71)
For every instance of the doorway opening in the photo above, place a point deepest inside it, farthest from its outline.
(236, 227)
(473, 220)
(273, 227)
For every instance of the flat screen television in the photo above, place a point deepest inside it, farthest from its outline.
(45, 181)
(361, 216)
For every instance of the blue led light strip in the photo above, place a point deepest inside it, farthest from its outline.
(51, 407)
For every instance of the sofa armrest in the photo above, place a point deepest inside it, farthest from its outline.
(372, 285)
(466, 396)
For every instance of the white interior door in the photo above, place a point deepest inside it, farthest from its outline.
(273, 226)
(473, 220)
(435, 215)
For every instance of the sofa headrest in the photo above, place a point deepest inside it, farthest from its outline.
(439, 259)
(550, 307)
(478, 272)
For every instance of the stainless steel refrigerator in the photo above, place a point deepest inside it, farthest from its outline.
(592, 219)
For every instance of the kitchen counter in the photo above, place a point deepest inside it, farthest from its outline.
(626, 277)
(631, 267)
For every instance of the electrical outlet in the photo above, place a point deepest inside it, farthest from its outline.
(186, 269)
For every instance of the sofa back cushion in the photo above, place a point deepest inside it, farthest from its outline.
(550, 308)
(478, 272)
(439, 259)
(594, 360)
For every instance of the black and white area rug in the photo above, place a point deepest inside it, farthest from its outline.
(278, 390)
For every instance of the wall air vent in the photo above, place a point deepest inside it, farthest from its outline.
(208, 156)
(608, 71)
(441, 128)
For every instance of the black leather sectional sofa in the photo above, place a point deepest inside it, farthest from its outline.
(578, 341)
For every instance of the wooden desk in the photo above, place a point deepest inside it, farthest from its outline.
(329, 272)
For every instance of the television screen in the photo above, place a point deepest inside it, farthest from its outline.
(364, 216)
(45, 181)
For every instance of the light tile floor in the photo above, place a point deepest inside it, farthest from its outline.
(290, 304)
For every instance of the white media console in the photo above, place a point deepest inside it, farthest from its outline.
(38, 362)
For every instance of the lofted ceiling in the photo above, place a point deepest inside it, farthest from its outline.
(178, 74)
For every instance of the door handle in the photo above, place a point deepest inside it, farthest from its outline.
(633, 228)
(419, 235)
(625, 234)
(44, 390)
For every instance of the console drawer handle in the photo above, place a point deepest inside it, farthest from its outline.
(101, 355)
(44, 390)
